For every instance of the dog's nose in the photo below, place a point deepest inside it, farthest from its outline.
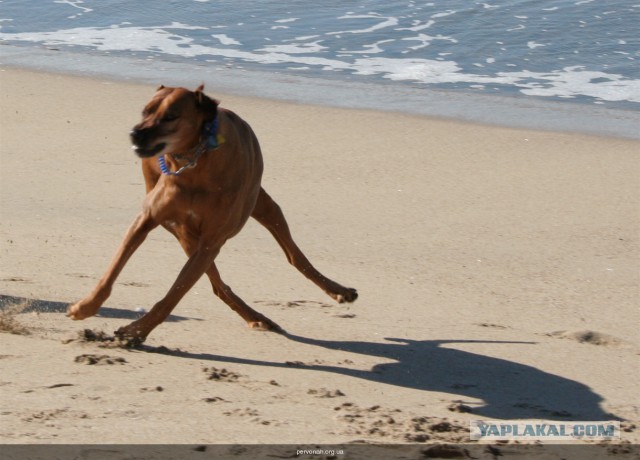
(136, 136)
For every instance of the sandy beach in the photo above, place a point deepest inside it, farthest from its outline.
(497, 270)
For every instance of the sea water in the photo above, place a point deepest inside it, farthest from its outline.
(550, 64)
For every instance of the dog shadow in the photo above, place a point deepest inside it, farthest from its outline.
(50, 306)
(505, 389)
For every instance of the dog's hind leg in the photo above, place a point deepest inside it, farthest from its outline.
(254, 319)
(269, 214)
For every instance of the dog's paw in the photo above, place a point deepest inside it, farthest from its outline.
(82, 310)
(347, 295)
(265, 324)
(130, 336)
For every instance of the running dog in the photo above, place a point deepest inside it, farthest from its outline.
(202, 166)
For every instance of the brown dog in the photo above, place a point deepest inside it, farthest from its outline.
(202, 167)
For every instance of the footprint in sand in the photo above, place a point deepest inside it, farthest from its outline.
(458, 406)
(394, 425)
(221, 375)
(491, 325)
(293, 303)
(214, 399)
(156, 389)
(588, 336)
(324, 393)
(246, 412)
(135, 284)
(99, 359)
(249, 412)
(15, 279)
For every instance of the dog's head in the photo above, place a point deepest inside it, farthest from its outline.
(173, 121)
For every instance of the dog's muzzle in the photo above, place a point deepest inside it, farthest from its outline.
(142, 145)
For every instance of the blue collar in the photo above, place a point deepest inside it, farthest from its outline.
(211, 133)
(210, 140)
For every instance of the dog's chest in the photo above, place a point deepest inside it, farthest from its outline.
(212, 209)
(187, 218)
(180, 209)
(188, 225)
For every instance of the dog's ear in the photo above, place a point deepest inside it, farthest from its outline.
(160, 87)
(208, 105)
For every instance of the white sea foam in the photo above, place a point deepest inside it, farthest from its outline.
(373, 48)
(226, 40)
(75, 4)
(457, 45)
(444, 14)
(568, 82)
(532, 45)
(574, 81)
(387, 22)
(295, 48)
(418, 26)
(301, 39)
(425, 40)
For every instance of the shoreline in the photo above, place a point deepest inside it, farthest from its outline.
(519, 112)
(496, 267)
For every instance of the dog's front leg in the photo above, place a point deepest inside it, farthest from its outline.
(134, 237)
(193, 270)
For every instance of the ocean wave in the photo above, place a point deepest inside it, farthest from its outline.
(568, 82)
(570, 49)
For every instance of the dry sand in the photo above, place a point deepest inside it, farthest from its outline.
(497, 270)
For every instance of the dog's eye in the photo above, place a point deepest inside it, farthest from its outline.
(169, 117)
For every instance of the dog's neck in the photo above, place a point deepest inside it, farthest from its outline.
(210, 140)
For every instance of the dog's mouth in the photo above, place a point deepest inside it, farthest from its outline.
(146, 152)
